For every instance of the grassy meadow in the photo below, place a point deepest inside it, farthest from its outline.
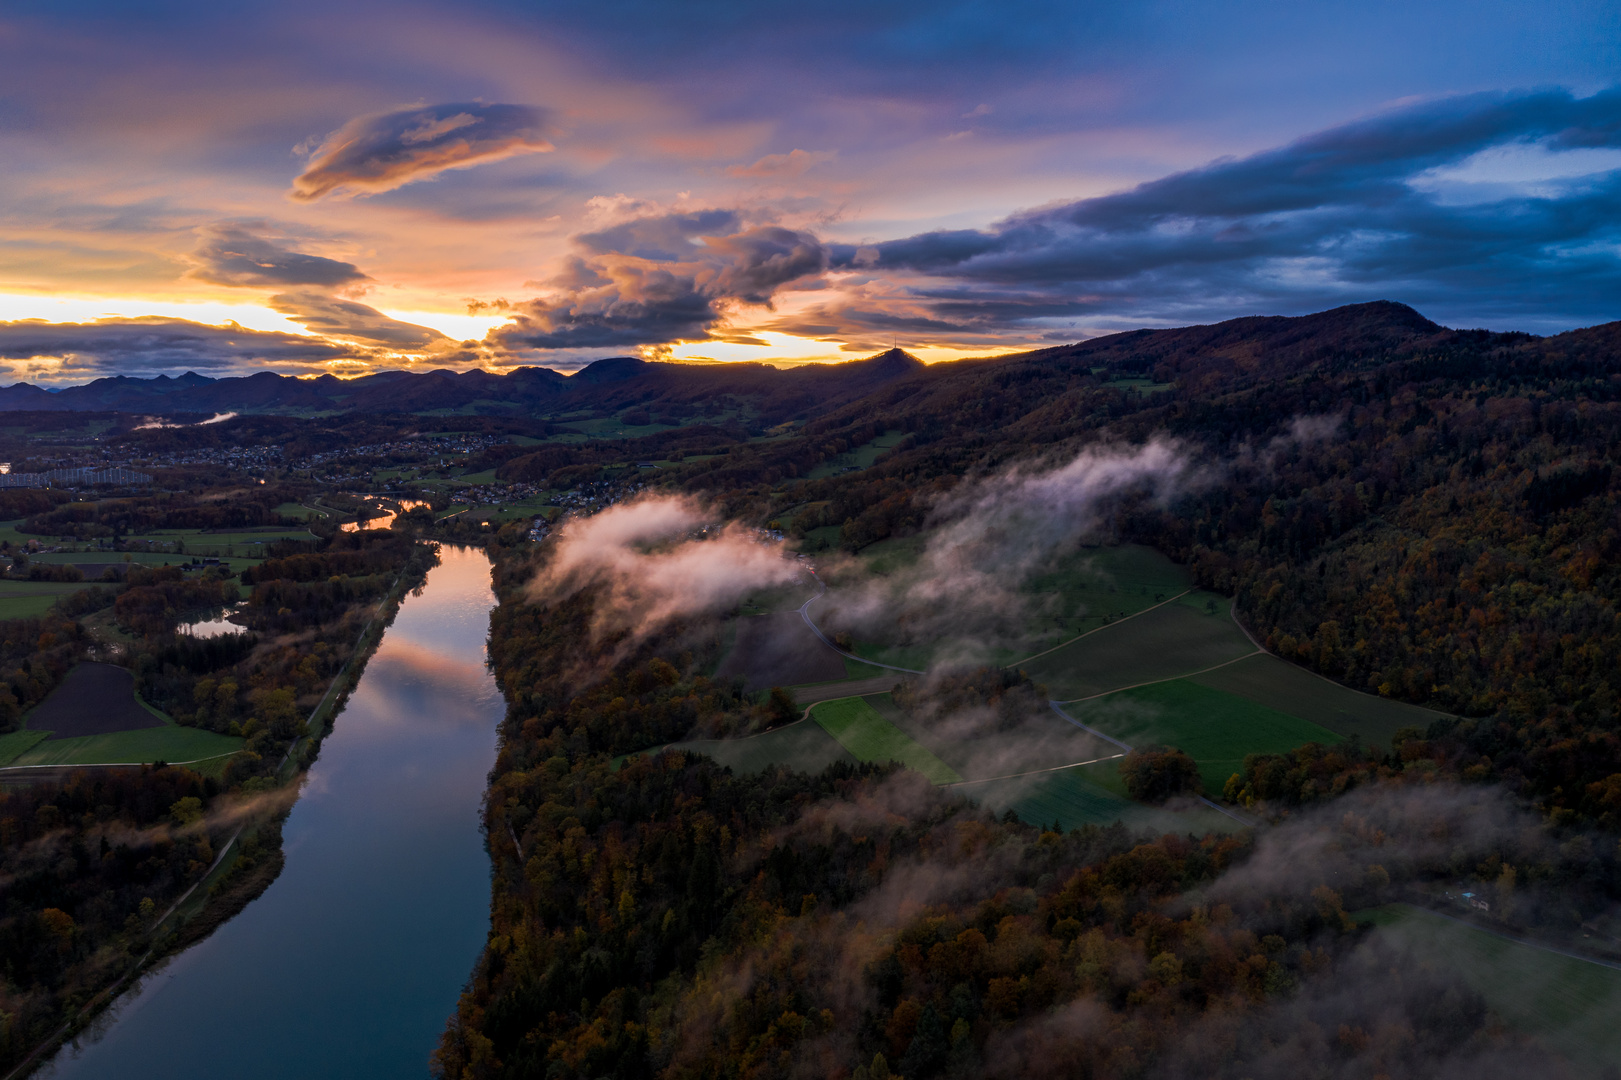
(1171, 641)
(1073, 797)
(868, 736)
(1572, 1005)
(1281, 685)
(1215, 728)
(169, 743)
(861, 457)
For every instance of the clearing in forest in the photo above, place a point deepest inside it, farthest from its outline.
(1091, 588)
(167, 742)
(1076, 797)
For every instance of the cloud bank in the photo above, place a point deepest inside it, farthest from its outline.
(653, 561)
(155, 345)
(239, 254)
(1405, 204)
(663, 277)
(384, 151)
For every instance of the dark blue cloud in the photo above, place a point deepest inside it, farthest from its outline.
(157, 345)
(388, 150)
(238, 253)
(1360, 210)
(662, 278)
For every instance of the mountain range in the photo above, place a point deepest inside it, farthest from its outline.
(610, 384)
(1196, 359)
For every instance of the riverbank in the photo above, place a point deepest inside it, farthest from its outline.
(232, 881)
(382, 842)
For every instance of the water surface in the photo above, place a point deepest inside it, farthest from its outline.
(350, 963)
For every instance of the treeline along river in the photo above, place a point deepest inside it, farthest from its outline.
(350, 962)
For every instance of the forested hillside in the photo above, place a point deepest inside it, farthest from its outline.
(1425, 514)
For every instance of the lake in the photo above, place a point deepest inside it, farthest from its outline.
(351, 962)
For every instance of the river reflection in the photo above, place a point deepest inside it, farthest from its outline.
(350, 963)
(384, 518)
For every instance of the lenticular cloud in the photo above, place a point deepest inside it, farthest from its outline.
(388, 150)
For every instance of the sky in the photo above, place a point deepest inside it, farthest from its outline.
(343, 187)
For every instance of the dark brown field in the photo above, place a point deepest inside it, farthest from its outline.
(94, 699)
(779, 650)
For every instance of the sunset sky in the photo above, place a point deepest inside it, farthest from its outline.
(345, 187)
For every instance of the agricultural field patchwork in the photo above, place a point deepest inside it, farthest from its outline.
(1091, 586)
(1073, 798)
(861, 457)
(778, 649)
(95, 718)
(1215, 728)
(14, 744)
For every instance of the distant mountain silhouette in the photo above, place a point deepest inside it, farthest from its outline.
(610, 384)
(1196, 357)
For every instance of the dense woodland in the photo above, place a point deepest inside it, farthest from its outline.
(1441, 528)
(669, 918)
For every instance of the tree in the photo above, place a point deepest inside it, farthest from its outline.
(1158, 773)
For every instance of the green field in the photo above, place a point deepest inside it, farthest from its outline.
(1572, 1005)
(1044, 741)
(144, 558)
(862, 457)
(1074, 598)
(1073, 798)
(168, 743)
(610, 427)
(1281, 685)
(30, 599)
(1215, 728)
(870, 737)
(298, 511)
(1107, 581)
(14, 744)
(1167, 642)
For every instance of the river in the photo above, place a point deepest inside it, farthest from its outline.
(351, 962)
